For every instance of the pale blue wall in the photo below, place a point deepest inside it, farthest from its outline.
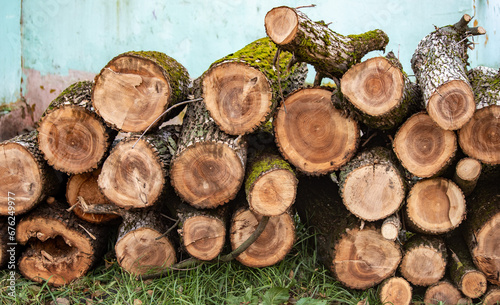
(10, 50)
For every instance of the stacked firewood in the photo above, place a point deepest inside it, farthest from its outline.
(384, 170)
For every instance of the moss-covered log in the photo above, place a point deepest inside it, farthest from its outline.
(60, 246)
(26, 177)
(379, 92)
(443, 293)
(424, 148)
(467, 172)
(330, 53)
(359, 256)
(371, 185)
(439, 63)
(242, 90)
(312, 134)
(395, 291)
(71, 136)
(208, 167)
(480, 137)
(492, 297)
(135, 88)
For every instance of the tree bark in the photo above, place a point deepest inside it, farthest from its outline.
(242, 90)
(135, 88)
(380, 93)
(208, 167)
(492, 297)
(312, 134)
(467, 172)
(60, 246)
(435, 206)
(424, 262)
(371, 185)
(359, 256)
(330, 53)
(141, 247)
(395, 291)
(424, 148)
(72, 137)
(444, 293)
(135, 173)
(439, 63)
(26, 177)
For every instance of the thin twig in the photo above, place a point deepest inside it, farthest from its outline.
(167, 217)
(305, 6)
(90, 234)
(169, 230)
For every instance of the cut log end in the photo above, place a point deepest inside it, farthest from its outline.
(485, 254)
(395, 291)
(139, 252)
(272, 245)
(273, 193)
(473, 284)
(281, 24)
(391, 227)
(203, 237)
(468, 169)
(442, 293)
(452, 105)
(312, 134)
(492, 297)
(238, 97)
(423, 266)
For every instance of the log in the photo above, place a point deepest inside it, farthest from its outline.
(26, 177)
(480, 137)
(330, 53)
(492, 297)
(135, 173)
(467, 172)
(391, 227)
(371, 185)
(424, 148)
(482, 229)
(72, 137)
(380, 93)
(241, 91)
(443, 293)
(358, 256)
(312, 134)
(435, 206)
(140, 247)
(60, 247)
(135, 88)
(208, 167)
(439, 63)
(84, 187)
(424, 261)
(395, 291)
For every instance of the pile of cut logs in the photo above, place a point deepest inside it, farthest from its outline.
(384, 170)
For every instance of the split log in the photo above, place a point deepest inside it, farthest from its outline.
(60, 246)
(424, 148)
(480, 137)
(467, 172)
(379, 92)
(71, 136)
(439, 63)
(135, 173)
(492, 297)
(358, 256)
(435, 206)
(463, 273)
(141, 247)
(330, 53)
(209, 165)
(371, 185)
(84, 187)
(482, 229)
(424, 262)
(135, 88)
(391, 227)
(26, 177)
(242, 90)
(443, 293)
(312, 134)
(395, 291)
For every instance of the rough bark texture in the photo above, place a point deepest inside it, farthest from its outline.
(439, 63)
(424, 148)
(312, 134)
(134, 88)
(359, 257)
(209, 165)
(242, 90)
(485, 84)
(60, 246)
(395, 291)
(435, 206)
(330, 53)
(26, 177)
(140, 247)
(379, 92)
(492, 297)
(442, 293)
(467, 172)
(71, 136)
(371, 185)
